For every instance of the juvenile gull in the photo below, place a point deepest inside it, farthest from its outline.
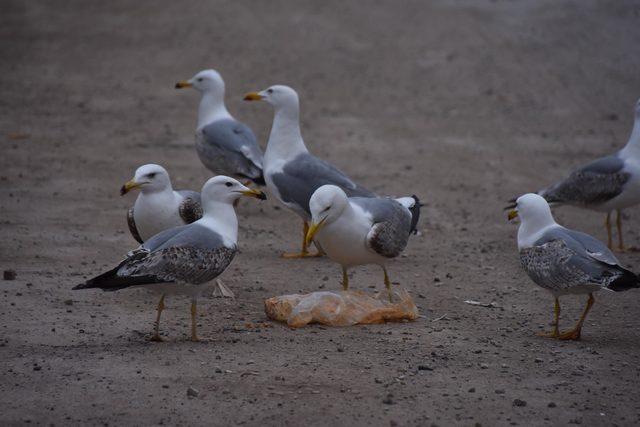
(604, 185)
(565, 261)
(182, 260)
(361, 230)
(224, 145)
(292, 174)
(158, 206)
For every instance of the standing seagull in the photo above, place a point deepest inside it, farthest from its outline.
(158, 206)
(604, 185)
(224, 145)
(292, 174)
(182, 259)
(565, 261)
(361, 230)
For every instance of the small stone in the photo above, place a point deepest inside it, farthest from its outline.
(500, 391)
(10, 275)
(68, 302)
(388, 400)
(519, 402)
(165, 386)
(472, 390)
(424, 368)
(551, 405)
(192, 392)
(37, 368)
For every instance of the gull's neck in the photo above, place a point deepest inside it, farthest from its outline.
(285, 139)
(163, 193)
(212, 108)
(221, 218)
(532, 229)
(632, 149)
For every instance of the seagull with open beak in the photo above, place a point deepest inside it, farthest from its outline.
(565, 261)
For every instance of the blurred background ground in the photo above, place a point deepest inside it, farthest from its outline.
(465, 103)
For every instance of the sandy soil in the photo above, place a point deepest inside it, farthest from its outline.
(464, 103)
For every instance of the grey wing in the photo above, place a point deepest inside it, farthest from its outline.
(131, 222)
(162, 237)
(391, 227)
(228, 146)
(558, 261)
(591, 247)
(595, 183)
(190, 208)
(194, 255)
(303, 175)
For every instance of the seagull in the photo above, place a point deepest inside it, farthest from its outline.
(604, 185)
(361, 230)
(182, 260)
(565, 261)
(158, 205)
(292, 174)
(224, 145)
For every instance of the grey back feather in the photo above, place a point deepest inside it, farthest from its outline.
(302, 176)
(229, 147)
(563, 259)
(191, 254)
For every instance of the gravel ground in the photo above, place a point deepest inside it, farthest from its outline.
(465, 103)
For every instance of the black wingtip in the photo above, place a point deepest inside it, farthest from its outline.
(628, 280)
(259, 181)
(415, 213)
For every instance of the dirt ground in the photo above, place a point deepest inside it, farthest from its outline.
(465, 103)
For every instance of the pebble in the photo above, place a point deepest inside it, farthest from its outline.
(424, 368)
(551, 405)
(388, 400)
(10, 275)
(519, 402)
(192, 392)
(68, 302)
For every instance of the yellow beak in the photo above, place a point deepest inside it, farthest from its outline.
(254, 193)
(182, 84)
(513, 213)
(253, 96)
(313, 229)
(128, 186)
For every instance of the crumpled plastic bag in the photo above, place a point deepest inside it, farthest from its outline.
(340, 308)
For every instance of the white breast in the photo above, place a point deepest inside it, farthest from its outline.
(344, 240)
(156, 212)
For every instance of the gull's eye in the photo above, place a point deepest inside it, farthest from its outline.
(228, 184)
(269, 90)
(200, 79)
(151, 175)
(326, 209)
